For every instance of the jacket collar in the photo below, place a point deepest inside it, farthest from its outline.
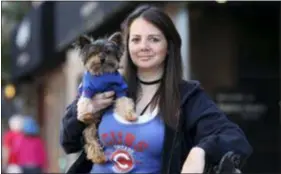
(187, 89)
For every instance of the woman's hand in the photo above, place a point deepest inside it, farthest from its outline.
(99, 102)
(195, 161)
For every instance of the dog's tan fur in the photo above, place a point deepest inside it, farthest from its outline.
(92, 147)
(93, 65)
(123, 106)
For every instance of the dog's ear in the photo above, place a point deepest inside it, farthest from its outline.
(82, 41)
(116, 38)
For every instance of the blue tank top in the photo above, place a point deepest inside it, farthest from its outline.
(131, 147)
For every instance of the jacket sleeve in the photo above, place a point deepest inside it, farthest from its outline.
(212, 131)
(71, 137)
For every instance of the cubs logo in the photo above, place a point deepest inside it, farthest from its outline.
(123, 161)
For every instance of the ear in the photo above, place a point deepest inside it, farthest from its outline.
(82, 41)
(116, 38)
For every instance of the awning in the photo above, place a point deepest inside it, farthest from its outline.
(32, 41)
(73, 18)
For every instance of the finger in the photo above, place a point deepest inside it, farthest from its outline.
(98, 96)
(106, 102)
(108, 94)
(103, 95)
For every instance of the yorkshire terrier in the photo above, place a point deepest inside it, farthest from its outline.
(101, 59)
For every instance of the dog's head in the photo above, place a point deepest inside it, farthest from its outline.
(101, 55)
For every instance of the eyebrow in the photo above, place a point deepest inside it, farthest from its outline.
(157, 35)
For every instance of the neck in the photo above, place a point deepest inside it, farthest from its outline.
(150, 75)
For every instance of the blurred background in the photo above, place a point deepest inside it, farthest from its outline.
(232, 48)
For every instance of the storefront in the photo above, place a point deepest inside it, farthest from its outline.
(235, 53)
(32, 53)
(33, 44)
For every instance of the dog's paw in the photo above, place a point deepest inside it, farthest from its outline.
(125, 107)
(92, 146)
(99, 159)
(98, 156)
(130, 116)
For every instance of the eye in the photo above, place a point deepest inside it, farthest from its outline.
(154, 39)
(135, 40)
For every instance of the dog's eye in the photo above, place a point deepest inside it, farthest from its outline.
(93, 50)
(108, 51)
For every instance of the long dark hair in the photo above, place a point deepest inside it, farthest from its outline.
(168, 94)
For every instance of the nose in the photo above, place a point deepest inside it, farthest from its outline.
(144, 46)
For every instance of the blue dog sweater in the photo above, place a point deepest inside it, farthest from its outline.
(92, 84)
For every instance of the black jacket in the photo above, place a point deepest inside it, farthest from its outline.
(201, 124)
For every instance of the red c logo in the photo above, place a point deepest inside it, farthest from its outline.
(123, 161)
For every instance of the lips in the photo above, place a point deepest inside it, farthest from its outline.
(145, 57)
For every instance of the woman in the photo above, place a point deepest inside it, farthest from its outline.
(179, 125)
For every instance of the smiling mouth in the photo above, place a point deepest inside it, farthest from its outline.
(146, 56)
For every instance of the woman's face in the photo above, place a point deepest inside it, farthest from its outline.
(147, 45)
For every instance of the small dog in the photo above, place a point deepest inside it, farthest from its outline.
(101, 59)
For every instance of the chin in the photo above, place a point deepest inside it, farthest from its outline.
(145, 65)
(148, 64)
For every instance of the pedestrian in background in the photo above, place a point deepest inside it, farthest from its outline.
(32, 156)
(11, 140)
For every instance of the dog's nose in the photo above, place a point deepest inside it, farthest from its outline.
(102, 59)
